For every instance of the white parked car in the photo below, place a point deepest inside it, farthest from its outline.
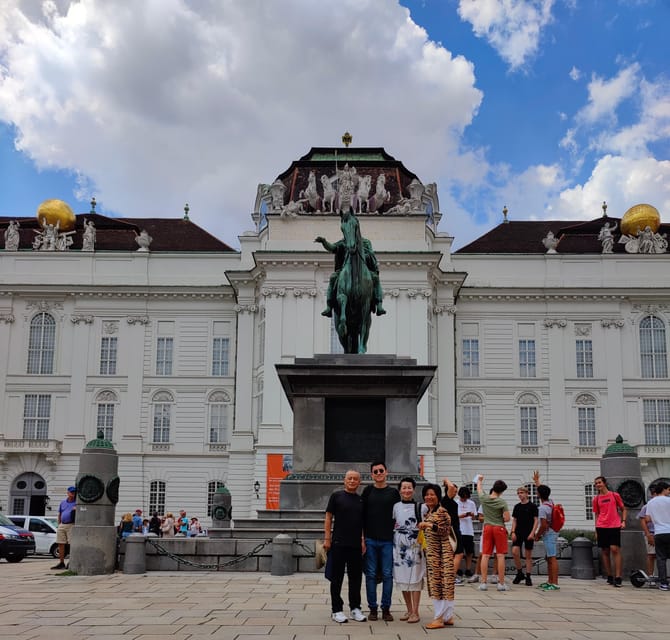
(44, 530)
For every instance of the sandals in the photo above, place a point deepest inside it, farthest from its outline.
(404, 617)
(413, 617)
(438, 623)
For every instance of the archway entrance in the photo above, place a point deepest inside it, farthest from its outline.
(28, 495)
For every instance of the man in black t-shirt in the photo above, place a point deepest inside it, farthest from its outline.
(378, 523)
(448, 502)
(344, 542)
(524, 525)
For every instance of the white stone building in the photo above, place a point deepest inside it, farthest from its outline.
(545, 351)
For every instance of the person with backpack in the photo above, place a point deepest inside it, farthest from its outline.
(546, 531)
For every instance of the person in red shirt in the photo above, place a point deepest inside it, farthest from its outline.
(610, 519)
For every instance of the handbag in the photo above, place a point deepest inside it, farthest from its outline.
(421, 537)
(452, 539)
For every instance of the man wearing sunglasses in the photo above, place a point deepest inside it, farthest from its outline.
(378, 501)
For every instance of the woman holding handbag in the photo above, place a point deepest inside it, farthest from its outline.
(409, 564)
(440, 545)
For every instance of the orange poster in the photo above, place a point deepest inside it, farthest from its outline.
(279, 465)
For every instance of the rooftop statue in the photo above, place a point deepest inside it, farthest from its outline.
(354, 290)
(50, 238)
(12, 236)
(605, 236)
(88, 241)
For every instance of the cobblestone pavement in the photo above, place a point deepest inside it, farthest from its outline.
(35, 602)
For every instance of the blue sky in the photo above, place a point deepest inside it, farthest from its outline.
(546, 106)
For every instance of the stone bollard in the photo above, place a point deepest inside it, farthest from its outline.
(222, 513)
(282, 555)
(582, 559)
(135, 559)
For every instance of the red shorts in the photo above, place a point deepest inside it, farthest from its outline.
(494, 536)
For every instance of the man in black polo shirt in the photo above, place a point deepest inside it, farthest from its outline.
(344, 540)
(378, 523)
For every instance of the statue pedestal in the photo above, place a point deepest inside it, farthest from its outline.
(349, 410)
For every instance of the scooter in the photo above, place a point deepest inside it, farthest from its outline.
(639, 578)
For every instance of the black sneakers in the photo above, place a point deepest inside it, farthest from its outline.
(60, 565)
(372, 616)
(610, 579)
(529, 582)
(519, 577)
(617, 582)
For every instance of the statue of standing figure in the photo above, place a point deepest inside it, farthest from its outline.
(88, 242)
(12, 237)
(605, 236)
(354, 289)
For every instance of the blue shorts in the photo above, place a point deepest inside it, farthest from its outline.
(549, 538)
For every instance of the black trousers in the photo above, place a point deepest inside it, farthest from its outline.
(351, 559)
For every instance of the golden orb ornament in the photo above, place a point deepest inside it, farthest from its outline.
(54, 211)
(638, 217)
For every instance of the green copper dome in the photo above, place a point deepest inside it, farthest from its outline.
(619, 448)
(99, 442)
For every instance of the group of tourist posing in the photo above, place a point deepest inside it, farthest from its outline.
(385, 535)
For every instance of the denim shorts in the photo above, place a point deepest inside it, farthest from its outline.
(549, 538)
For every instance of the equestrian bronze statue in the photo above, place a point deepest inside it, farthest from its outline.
(354, 291)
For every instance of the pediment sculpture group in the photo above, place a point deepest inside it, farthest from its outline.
(344, 190)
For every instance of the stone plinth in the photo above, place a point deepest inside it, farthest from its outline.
(349, 410)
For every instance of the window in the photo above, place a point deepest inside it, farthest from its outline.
(584, 358)
(586, 419)
(532, 493)
(218, 418)
(105, 422)
(589, 494)
(471, 424)
(211, 490)
(220, 350)
(528, 417)
(41, 344)
(470, 358)
(157, 497)
(164, 356)
(527, 358)
(108, 356)
(656, 422)
(653, 351)
(162, 410)
(36, 412)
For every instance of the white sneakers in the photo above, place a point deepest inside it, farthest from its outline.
(358, 615)
(339, 616)
(483, 586)
(502, 587)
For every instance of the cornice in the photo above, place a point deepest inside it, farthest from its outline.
(515, 297)
(144, 294)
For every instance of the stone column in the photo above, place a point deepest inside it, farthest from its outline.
(93, 548)
(621, 468)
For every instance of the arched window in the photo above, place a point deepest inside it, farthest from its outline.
(105, 406)
(653, 348)
(219, 408)
(157, 497)
(471, 408)
(162, 416)
(528, 420)
(41, 344)
(211, 490)
(586, 419)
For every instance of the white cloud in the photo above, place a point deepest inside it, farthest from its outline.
(512, 27)
(162, 102)
(575, 74)
(621, 182)
(605, 96)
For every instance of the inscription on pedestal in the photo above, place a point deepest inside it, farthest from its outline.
(355, 430)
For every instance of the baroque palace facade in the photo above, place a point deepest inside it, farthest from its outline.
(550, 339)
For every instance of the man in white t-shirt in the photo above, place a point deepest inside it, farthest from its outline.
(658, 512)
(467, 510)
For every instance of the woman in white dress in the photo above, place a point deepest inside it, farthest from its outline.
(409, 563)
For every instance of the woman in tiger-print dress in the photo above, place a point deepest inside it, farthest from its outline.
(439, 557)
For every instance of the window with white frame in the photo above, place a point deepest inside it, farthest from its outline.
(527, 358)
(36, 416)
(528, 420)
(220, 351)
(532, 493)
(105, 408)
(584, 353)
(157, 497)
(41, 344)
(656, 415)
(212, 487)
(472, 415)
(589, 494)
(219, 407)
(653, 348)
(108, 350)
(162, 416)
(164, 356)
(470, 357)
(586, 423)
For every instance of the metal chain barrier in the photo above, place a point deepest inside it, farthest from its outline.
(162, 551)
(310, 553)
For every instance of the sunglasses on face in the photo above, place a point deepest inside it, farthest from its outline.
(378, 471)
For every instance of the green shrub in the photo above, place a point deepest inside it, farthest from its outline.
(571, 534)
